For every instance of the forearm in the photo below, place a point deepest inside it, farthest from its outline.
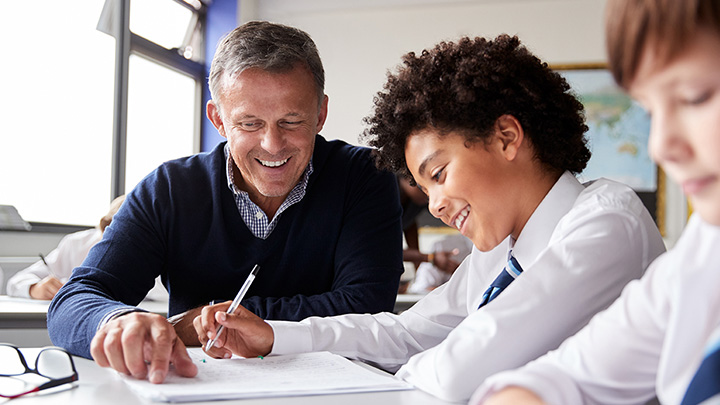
(19, 284)
(74, 317)
(415, 256)
(369, 297)
(382, 339)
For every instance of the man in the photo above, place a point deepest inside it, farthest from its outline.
(318, 218)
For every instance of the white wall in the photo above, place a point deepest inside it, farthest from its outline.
(360, 40)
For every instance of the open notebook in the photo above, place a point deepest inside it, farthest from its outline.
(274, 376)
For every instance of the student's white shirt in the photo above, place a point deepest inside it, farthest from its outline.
(70, 253)
(649, 342)
(578, 249)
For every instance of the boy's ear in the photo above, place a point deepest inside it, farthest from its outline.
(511, 134)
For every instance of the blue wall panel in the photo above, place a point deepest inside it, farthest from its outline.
(221, 19)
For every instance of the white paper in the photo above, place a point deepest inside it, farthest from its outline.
(274, 376)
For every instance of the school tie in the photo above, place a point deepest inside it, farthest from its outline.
(706, 382)
(507, 275)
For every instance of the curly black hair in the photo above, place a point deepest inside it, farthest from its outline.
(464, 87)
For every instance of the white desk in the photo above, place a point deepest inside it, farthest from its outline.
(405, 301)
(20, 313)
(23, 322)
(98, 385)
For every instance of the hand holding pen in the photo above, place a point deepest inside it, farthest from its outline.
(235, 303)
(47, 287)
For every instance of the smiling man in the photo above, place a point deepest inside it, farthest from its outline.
(321, 221)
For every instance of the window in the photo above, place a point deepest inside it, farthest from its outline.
(59, 162)
(56, 116)
(161, 118)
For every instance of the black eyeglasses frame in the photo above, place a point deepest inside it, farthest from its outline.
(54, 382)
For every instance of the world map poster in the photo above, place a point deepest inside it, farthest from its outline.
(618, 130)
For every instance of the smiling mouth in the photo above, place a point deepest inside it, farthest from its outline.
(695, 186)
(273, 163)
(460, 219)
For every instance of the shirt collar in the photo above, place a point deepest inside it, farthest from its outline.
(536, 234)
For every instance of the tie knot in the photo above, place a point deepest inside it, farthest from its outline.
(507, 275)
(513, 267)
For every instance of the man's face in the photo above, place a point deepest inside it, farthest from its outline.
(270, 121)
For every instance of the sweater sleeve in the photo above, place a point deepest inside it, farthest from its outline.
(116, 275)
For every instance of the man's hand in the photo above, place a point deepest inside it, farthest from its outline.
(129, 342)
(245, 333)
(46, 288)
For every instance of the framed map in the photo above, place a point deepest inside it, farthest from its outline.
(618, 134)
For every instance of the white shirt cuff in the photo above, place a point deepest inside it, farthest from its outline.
(117, 312)
(291, 337)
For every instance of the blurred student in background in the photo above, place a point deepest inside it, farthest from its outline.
(432, 269)
(44, 278)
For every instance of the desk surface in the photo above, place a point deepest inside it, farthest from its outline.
(21, 313)
(98, 385)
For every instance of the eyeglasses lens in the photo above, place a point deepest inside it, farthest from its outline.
(11, 367)
(11, 363)
(54, 364)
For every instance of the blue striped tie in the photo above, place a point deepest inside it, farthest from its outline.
(706, 382)
(506, 276)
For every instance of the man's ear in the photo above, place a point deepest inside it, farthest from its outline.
(322, 114)
(213, 114)
(511, 134)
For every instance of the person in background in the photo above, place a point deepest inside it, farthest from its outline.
(493, 136)
(661, 338)
(43, 279)
(428, 275)
(430, 269)
(318, 218)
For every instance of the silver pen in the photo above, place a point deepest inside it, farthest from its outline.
(235, 303)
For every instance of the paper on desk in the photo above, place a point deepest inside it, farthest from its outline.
(274, 376)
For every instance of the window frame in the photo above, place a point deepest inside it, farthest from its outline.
(128, 43)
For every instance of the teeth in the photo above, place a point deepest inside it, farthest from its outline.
(270, 163)
(461, 217)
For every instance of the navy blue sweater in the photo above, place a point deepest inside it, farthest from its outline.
(338, 250)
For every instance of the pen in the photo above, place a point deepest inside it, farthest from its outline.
(235, 303)
(48, 266)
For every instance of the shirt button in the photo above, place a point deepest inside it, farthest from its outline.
(258, 215)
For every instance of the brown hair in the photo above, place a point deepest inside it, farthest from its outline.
(114, 207)
(633, 27)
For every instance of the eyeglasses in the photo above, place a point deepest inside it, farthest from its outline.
(52, 363)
